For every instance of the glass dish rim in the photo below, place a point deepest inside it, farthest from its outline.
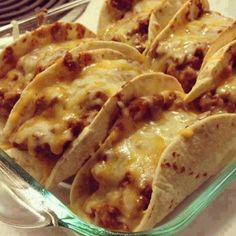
(183, 219)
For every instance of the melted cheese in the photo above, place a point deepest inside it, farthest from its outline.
(138, 154)
(198, 33)
(73, 97)
(121, 29)
(228, 88)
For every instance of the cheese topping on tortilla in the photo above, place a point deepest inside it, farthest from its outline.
(26, 68)
(62, 109)
(125, 172)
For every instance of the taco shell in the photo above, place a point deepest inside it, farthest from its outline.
(180, 48)
(184, 164)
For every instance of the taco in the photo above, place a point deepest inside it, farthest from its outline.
(153, 157)
(135, 22)
(62, 101)
(215, 89)
(180, 48)
(21, 61)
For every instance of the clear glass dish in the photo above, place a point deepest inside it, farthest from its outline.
(36, 207)
(32, 206)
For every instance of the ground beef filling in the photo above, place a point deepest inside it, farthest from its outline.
(7, 101)
(147, 108)
(182, 63)
(212, 101)
(118, 8)
(186, 71)
(137, 36)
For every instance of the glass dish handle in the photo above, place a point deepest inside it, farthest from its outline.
(17, 207)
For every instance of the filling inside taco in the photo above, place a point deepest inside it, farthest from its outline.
(137, 22)
(119, 178)
(181, 54)
(131, 21)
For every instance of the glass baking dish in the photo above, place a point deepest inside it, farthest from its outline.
(32, 206)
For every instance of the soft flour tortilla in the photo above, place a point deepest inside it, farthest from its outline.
(184, 165)
(21, 61)
(118, 46)
(136, 22)
(217, 69)
(65, 71)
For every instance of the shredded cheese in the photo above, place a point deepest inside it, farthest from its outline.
(198, 33)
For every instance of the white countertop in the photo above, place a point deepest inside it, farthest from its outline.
(219, 219)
